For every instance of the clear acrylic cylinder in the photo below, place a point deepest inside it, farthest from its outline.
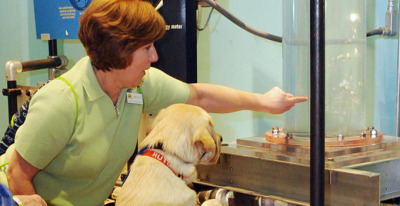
(345, 51)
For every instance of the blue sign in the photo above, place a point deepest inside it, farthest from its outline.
(58, 19)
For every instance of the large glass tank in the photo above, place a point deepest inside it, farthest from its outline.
(345, 51)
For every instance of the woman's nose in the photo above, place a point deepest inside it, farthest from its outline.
(153, 54)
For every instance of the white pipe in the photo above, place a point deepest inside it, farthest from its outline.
(12, 68)
(390, 20)
(159, 5)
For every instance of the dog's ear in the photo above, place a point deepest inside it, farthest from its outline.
(204, 140)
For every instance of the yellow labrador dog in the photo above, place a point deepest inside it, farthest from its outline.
(181, 137)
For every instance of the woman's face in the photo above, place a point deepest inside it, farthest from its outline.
(141, 61)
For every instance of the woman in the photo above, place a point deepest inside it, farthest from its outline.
(73, 156)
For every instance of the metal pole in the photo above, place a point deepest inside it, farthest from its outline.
(397, 113)
(53, 47)
(317, 102)
(12, 93)
(52, 54)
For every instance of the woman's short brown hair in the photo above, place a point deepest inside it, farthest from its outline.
(111, 30)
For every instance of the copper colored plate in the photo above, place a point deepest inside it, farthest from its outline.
(281, 138)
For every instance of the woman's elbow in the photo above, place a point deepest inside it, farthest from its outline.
(19, 168)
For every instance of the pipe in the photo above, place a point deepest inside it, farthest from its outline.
(390, 20)
(375, 32)
(15, 66)
(199, 17)
(12, 68)
(58, 61)
(391, 25)
(241, 24)
(317, 102)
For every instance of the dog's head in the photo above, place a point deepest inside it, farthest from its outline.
(187, 132)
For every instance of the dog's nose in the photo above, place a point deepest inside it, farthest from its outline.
(221, 139)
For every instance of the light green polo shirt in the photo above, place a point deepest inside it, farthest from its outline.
(80, 167)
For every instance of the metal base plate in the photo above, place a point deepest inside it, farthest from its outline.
(359, 175)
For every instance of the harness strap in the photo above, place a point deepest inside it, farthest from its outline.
(75, 95)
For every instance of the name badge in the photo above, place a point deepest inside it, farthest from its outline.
(134, 98)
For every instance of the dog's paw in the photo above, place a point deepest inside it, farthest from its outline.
(212, 202)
